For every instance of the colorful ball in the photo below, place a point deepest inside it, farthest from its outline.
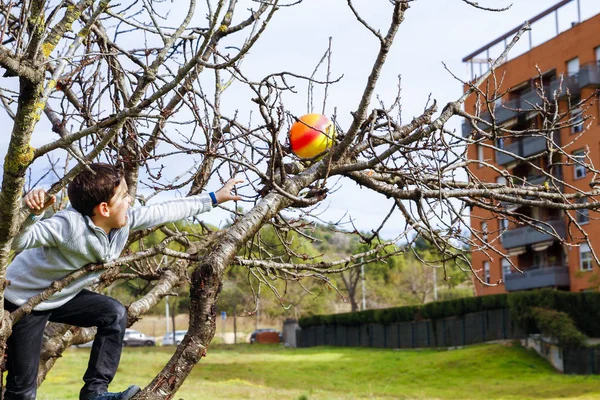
(311, 135)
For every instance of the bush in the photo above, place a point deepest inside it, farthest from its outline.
(558, 325)
(583, 308)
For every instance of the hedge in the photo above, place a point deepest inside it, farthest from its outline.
(583, 308)
(558, 325)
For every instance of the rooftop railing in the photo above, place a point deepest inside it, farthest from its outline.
(572, 12)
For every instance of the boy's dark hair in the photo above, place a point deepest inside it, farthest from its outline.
(89, 189)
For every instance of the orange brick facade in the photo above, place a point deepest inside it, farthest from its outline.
(582, 41)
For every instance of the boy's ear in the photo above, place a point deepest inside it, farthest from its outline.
(102, 209)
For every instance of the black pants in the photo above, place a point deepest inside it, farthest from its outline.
(87, 309)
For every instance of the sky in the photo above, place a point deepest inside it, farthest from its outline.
(434, 32)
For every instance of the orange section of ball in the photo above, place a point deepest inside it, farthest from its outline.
(311, 135)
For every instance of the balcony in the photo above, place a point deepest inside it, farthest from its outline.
(532, 180)
(532, 98)
(537, 277)
(466, 128)
(505, 111)
(555, 183)
(533, 145)
(528, 235)
(569, 84)
(502, 158)
(589, 76)
(525, 147)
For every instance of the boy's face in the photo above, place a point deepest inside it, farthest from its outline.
(118, 206)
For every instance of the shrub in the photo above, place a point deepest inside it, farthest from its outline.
(583, 308)
(558, 325)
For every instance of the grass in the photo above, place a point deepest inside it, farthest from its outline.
(490, 371)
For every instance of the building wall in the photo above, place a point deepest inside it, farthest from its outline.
(579, 41)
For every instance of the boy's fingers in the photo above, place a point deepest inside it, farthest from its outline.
(235, 181)
(232, 182)
(35, 199)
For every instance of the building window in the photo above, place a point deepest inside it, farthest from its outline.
(597, 50)
(503, 224)
(573, 67)
(598, 99)
(578, 160)
(505, 268)
(585, 257)
(500, 143)
(540, 259)
(480, 155)
(583, 214)
(486, 272)
(577, 120)
(484, 231)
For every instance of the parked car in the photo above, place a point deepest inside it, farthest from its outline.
(167, 340)
(135, 338)
(266, 335)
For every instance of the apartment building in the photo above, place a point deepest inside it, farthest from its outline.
(573, 54)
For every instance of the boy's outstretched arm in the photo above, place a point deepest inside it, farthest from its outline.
(177, 209)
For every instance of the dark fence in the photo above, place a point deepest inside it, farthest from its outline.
(583, 361)
(473, 328)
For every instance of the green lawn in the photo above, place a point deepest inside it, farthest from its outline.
(491, 371)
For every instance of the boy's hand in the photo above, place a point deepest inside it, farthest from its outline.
(35, 201)
(224, 194)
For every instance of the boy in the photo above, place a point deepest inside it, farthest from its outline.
(94, 230)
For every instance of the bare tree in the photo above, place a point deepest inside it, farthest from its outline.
(82, 67)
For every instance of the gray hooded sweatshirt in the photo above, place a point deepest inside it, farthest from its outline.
(55, 247)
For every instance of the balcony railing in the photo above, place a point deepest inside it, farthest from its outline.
(528, 235)
(589, 76)
(525, 147)
(555, 182)
(569, 84)
(532, 180)
(540, 277)
(533, 145)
